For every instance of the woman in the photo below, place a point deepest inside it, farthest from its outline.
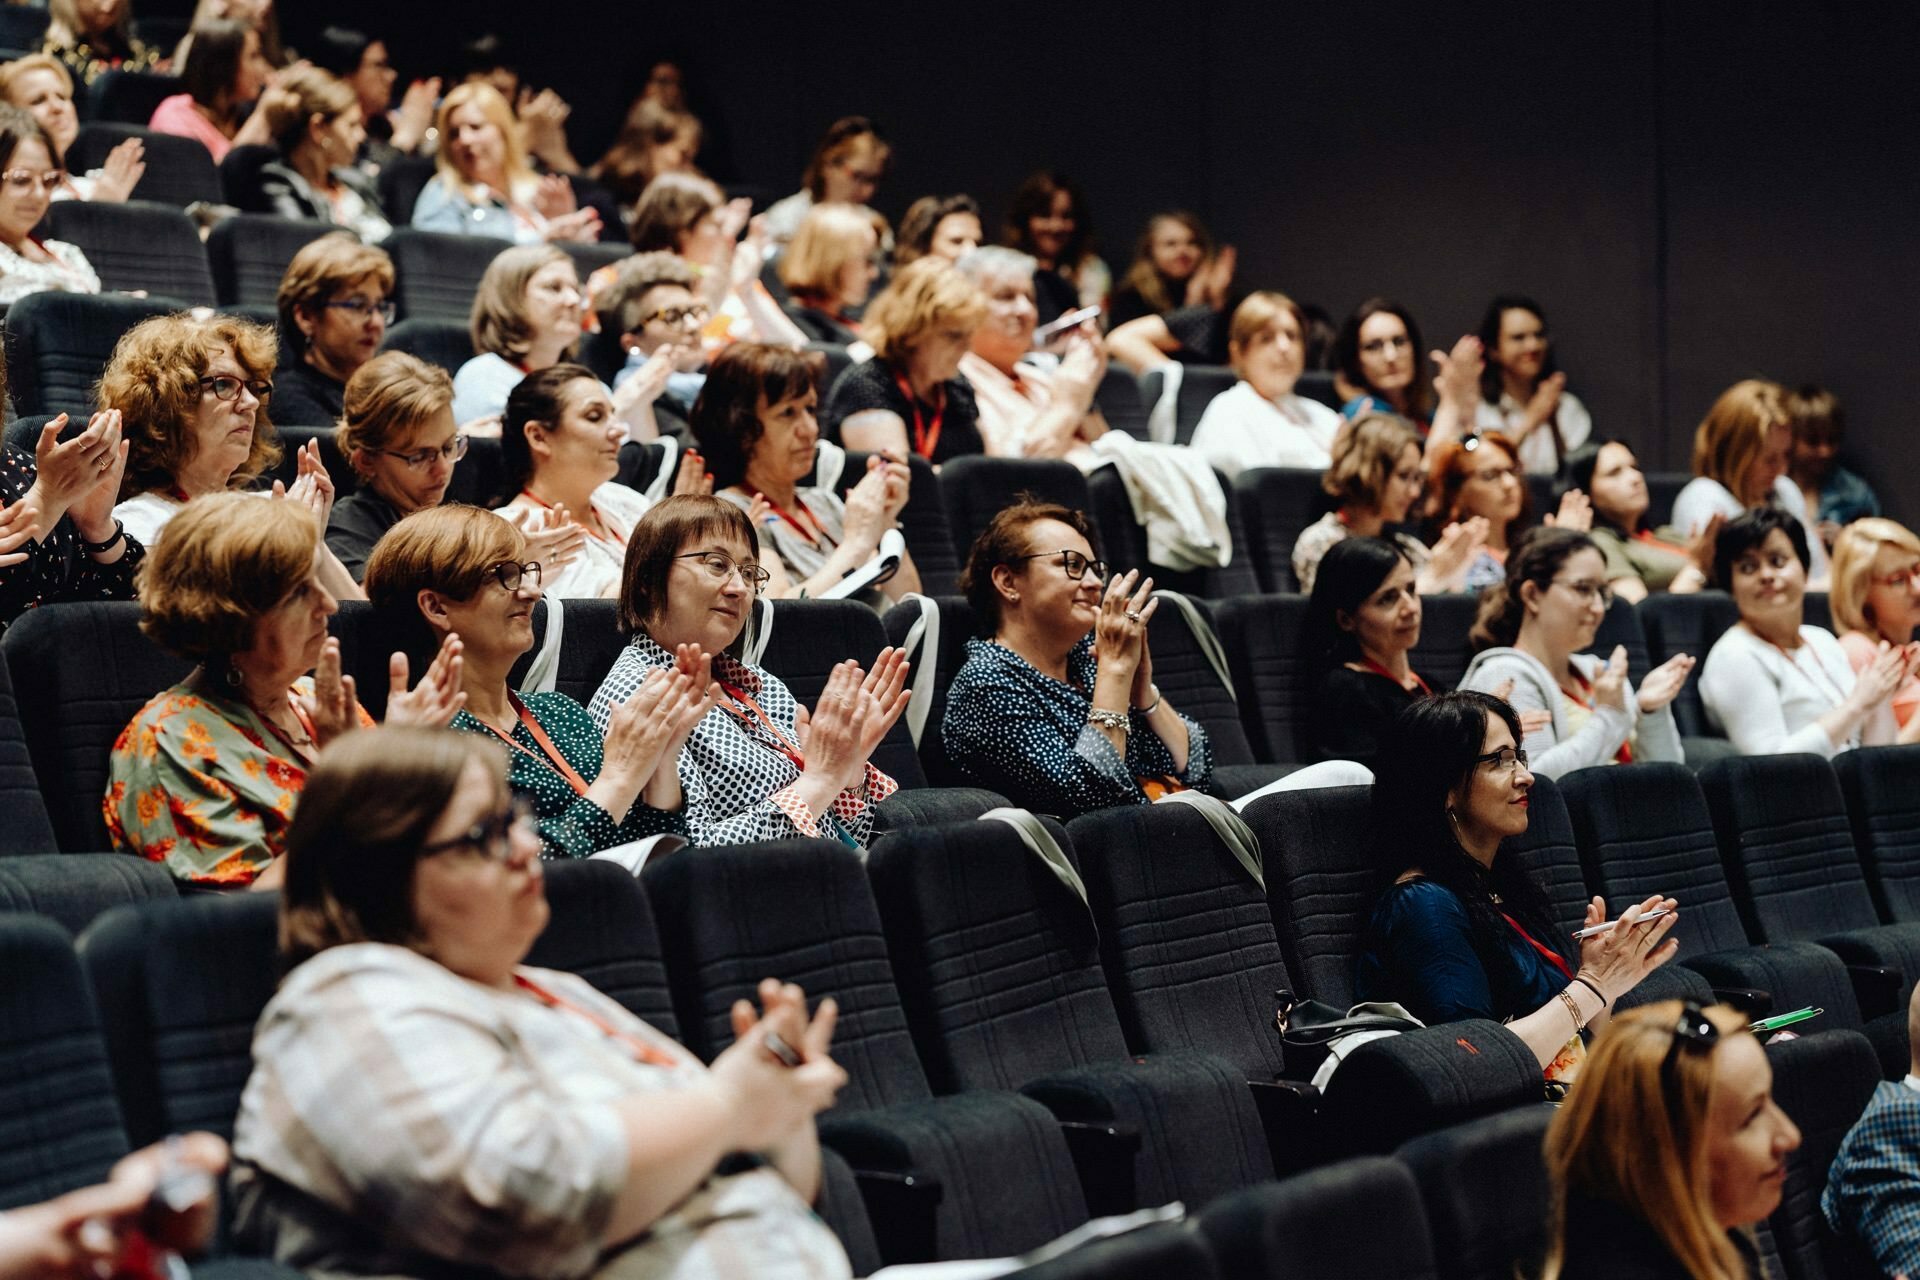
(317, 125)
(464, 572)
(846, 168)
(1774, 684)
(1460, 930)
(1740, 455)
(58, 538)
(687, 215)
(828, 269)
(1638, 562)
(1376, 361)
(1028, 409)
(397, 433)
(1663, 1163)
(1531, 637)
(483, 185)
(39, 85)
(549, 1132)
(1480, 477)
(91, 36)
(945, 226)
(206, 775)
(1523, 396)
(1364, 617)
(1876, 597)
(1173, 266)
(1377, 476)
(334, 307)
(690, 579)
(654, 305)
(654, 139)
(1833, 494)
(919, 327)
(30, 172)
(367, 69)
(1048, 220)
(756, 428)
(224, 74)
(259, 15)
(525, 318)
(1259, 421)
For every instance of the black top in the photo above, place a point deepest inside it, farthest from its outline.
(820, 326)
(55, 568)
(290, 195)
(872, 384)
(1353, 712)
(1201, 332)
(356, 524)
(1607, 1241)
(305, 397)
(1053, 295)
(1127, 304)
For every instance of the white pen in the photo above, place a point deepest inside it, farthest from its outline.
(1602, 928)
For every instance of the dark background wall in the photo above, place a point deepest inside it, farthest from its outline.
(1696, 190)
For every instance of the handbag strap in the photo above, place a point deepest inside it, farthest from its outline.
(662, 483)
(759, 631)
(543, 673)
(1204, 637)
(922, 650)
(1232, 829)
(1040, 842)
(1163, 416)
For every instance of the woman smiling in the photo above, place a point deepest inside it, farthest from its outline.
(1259, 421)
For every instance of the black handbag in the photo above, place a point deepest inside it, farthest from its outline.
(1314, 1022)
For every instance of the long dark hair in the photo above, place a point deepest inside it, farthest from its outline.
(1034, 199)
(1350, 571)
(1430, 756)
(1490, 376)
(1578, 472)
(1536, 559)
(1346, 354)
(538, 397)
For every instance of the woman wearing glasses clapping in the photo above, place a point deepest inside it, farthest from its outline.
(30, 172)
(1532, 632)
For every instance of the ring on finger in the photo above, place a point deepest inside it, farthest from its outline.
(1133, 615)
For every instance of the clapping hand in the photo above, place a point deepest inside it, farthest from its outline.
(1545, 400)
(19, 525)
(553, 539)
(1617, 959)
(1532, 719)
(1456, 374)
(1453, 555)
(1663, 684)
(1610, 684)
(71, 475)
(691, 475)
(125, 165)
(1575, 512)
(437, 698)
(312, 487)
(1120, 633)
(332, 707)
(770, 1099)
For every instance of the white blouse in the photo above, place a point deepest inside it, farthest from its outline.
(69, 272)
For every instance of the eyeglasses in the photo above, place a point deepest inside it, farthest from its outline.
(1073, 562)
(20, 182)
(452, 451)
(720, 568)
(677, 315)
(1505, 760)
(361, 308)
(1589, 591)
(492, 837)
(511, 575)
(225, 388)
(1695, 1033)
(1379, 345)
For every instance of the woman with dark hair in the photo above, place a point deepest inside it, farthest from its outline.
(1376, 364)
(1460, 930)
(1773, 683)
(225, 73)
(318, 127)
(845, 168)
(30, 172)
(363, 63)
(1532, 633)
(945, 226)
(1638, 562)
(58, 537)
(1363, 619)
(756, 427)
(1522, 395)
(1174, 265)
(654, 139)
(1048, 219)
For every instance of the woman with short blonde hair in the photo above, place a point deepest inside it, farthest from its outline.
(1876, 597)
(920, 326)
(1259, 421)
(1741, 452)
(483, 185)
(829, 268)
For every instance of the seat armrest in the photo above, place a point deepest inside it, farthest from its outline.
(1877, 988)
(1290, 1115)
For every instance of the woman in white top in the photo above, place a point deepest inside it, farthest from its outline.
(1775, 685)
(1029, 408)
(30, 173)
(1259, 422)
(1522, 395)
(1740, 454)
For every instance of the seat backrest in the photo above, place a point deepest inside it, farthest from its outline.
(1645, 829)
(479, 477)
(138, 245)
(1787, 847)
(1823, 1082)
(801, 910)
(435, 274)
(590, 643)
(602, 929)
(27, 830)
(1549, 853)
(293, 438)
(57, 344)
(957, 626)
(1123, 540)
(809, 638)
(240, 180)
(443, 342)
(180, 986)
(976, 488)
(80, 672)
(1882, 787)
(1278, 502)
(1315, 1224)
(1183, 675)
(1484, 1186)
(997, 961)
(1268, 655)
(590, 257)
(1118, 398)
(22, 26)
(129, 97)
(1444, 649)
(63, 1129)
(71, 889)
(1687, 624)
(1662, 488)
(923, 522)
(180, 171)
(1199, 384)
(1317, 846)
(1621, 626)
(249, 255)
(401, 181)
(839, 359)
(1186, 936)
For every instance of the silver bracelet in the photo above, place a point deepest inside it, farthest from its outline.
(1103, 719)
(1153, 706)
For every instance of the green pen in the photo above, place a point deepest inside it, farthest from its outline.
(1779, 1020)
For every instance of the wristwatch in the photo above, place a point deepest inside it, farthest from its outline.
(97, 548)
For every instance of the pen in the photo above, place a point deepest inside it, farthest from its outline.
(1602, 928)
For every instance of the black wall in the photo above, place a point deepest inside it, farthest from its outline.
(1697, 191)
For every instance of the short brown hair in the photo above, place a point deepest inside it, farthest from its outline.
(668, 208)
(830, 237)
(843, 137)
(498, 321)
(321, 269)
(620, 302)
(356, 835)
(1734, 432)
(921, 296)
(1257, 313)
(153, 379)
(447, 549)
(726, 417)
(225, 561)
(667, 528)
(17, 125)
(1365, 453)
(1002, 542)
(388, 397)
(307, 91)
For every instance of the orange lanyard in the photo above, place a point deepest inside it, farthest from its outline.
(618, 541)
(1377, 669)
(926, 437)
(1553, 957)
(553, 759)
(640, 1049)
(1824, 680)
(760, 720)
(812, 536)
(1625, 754)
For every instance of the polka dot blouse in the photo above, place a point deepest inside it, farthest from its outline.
(55, 568)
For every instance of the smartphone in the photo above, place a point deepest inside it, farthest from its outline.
(1071, 320)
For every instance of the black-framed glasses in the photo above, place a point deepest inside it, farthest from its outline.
(1075, 564)
(225, 388)
(1395, 343)
(452, 451)
(676, 315)
(721, 567)
(511, 575)
(1505, 760)
(491, 837)
(361, 308)
(1693, 1032)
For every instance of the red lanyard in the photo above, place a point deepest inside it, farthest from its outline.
(639, 1048)
(304, 754)
(1425, 689)
(812, 535)
(619, 540)
(926, 437)
(1553, 957)
(1625, 754)
(554, 760)
(759, 719)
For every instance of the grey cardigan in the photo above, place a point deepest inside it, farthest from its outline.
(1556, 749)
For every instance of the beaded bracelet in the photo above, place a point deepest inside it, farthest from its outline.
(1103, 719)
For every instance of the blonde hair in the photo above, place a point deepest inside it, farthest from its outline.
(388, 397)
(63, 23)
(1257, 313)
(830, 237)
(1616, 1140)
(12, 71)
(153, 379)
(1853, 556)
(498, 322)
(479, 93)
(322, 268)
(226, 561)
(1365, 453)
(1734, 432)
(922, 295)
(447, 549)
